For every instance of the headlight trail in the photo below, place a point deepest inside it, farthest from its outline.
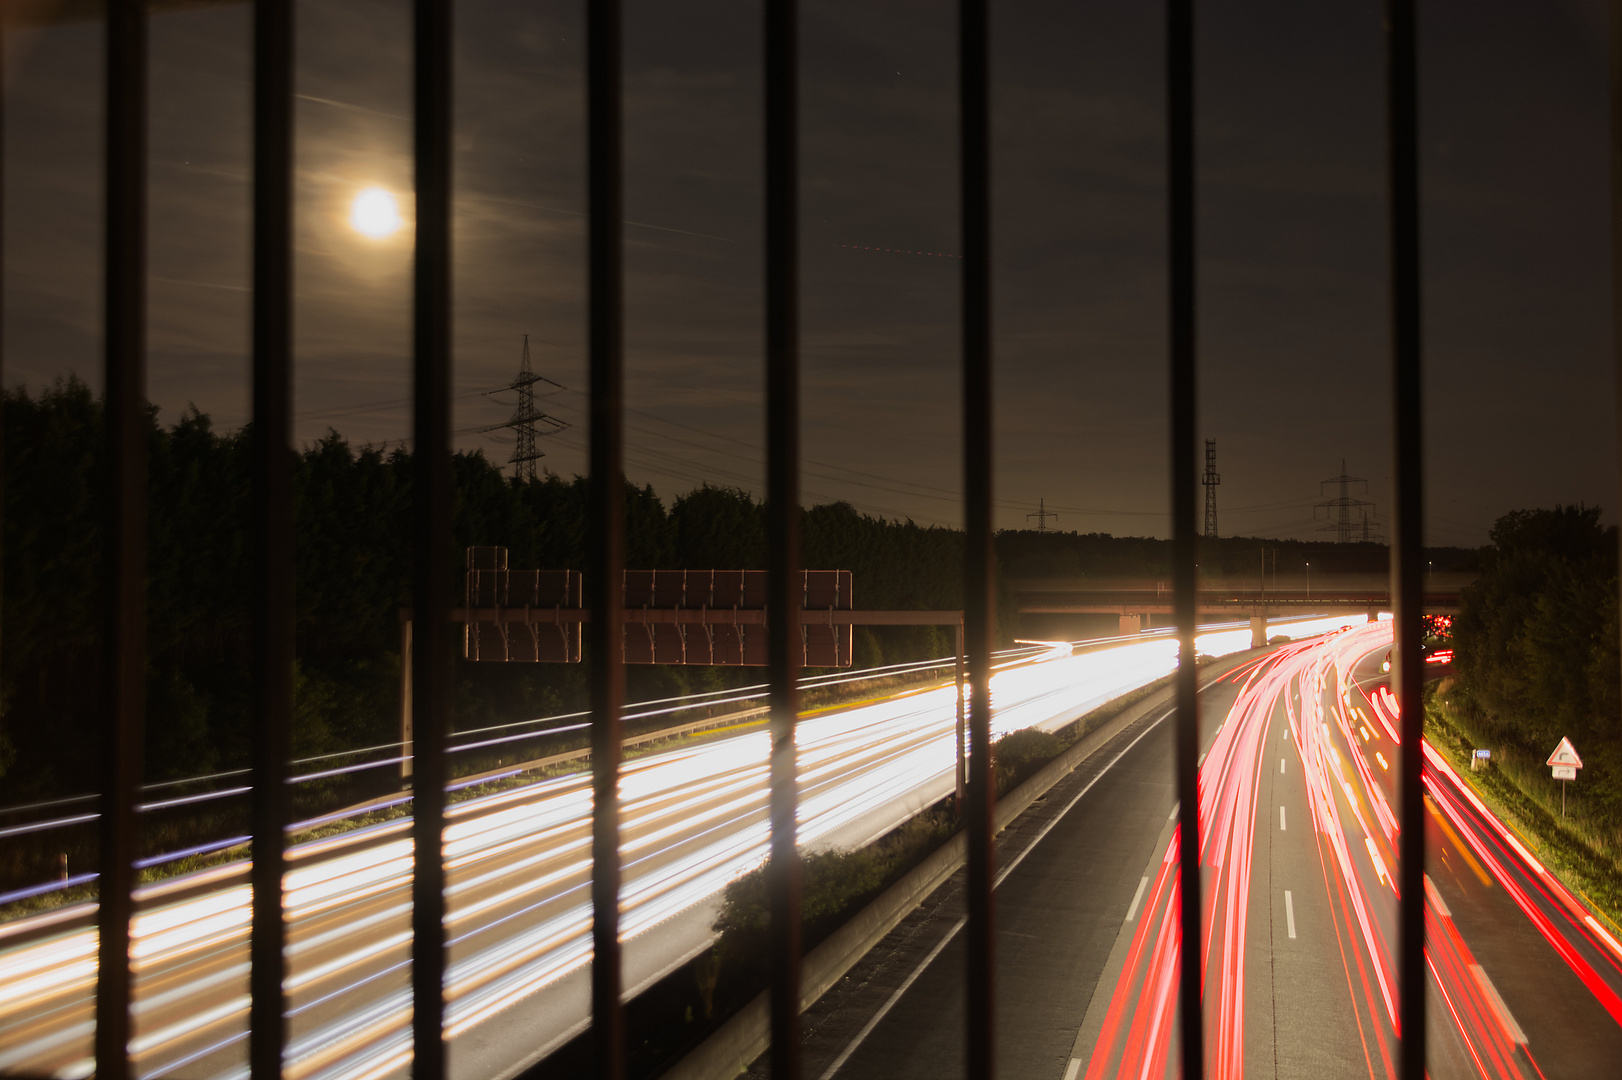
(518, 866)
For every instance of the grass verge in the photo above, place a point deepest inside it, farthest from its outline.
(1577, 858)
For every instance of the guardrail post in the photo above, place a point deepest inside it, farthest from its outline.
(407, 747)
(962, 766)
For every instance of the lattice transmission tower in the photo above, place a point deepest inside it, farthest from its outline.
(1340, 509)
(1211, 479)
(1042, 514)
(528, 423)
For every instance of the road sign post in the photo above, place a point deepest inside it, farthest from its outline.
(1565, 764)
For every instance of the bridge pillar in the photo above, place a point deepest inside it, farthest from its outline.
(1258, 631)
(1374, 616)
(1131, 624)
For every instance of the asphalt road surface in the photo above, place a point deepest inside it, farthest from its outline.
(1298, 838)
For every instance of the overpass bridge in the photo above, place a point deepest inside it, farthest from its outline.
(1138, 601)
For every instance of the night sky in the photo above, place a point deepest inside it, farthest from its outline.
(1292, 230)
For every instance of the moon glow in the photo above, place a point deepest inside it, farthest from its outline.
(374, 213)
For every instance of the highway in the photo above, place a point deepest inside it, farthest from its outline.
(693, 818)
(1298, 837)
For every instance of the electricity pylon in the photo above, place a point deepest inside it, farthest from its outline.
(526, 420)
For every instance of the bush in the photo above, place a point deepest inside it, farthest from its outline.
(833, 886)
(1019, 754)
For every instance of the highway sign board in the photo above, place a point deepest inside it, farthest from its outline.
(1565, 763)
(1483, 753)
(1565, 754)
(712, 617)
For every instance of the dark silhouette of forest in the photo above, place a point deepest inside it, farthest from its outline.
(1536, 647)
(352, 561)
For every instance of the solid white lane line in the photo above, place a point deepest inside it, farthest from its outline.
(1071, 805)
(1281, 819)
(890, 1002)
(1176, 806)
(884, 1010)
(1137, 898)
(1289, 913)
(1073, 1070)
(1511, 1028)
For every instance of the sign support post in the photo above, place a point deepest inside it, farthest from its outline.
(1565, 764)
(962, 771)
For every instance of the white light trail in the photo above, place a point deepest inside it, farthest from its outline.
(693, 819)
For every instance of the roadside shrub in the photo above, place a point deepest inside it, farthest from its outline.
(1019, 754)
(833, 886)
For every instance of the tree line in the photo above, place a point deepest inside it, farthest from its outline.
(1536, 653)
(352, 560)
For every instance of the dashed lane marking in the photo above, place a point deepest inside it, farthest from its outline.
(1137, 898)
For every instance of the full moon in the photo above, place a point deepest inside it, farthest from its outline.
(374, 213)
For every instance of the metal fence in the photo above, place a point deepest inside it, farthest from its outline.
(432, 585)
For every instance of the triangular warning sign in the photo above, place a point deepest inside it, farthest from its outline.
(1565, 754)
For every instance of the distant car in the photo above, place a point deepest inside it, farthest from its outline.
(1432, 656)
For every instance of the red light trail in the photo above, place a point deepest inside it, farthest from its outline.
(1306, 694)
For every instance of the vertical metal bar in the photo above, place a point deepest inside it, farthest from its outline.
(979, 559)
(785, 577)
(431, 513)
(1616, 223)
(3, 85)
(1185, 536)
(124, 647)
(606, 513)
(1408, 556)
(272, 522)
